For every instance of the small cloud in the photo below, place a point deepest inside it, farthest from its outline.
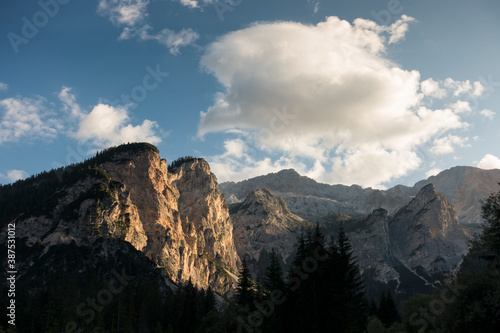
(3, 86)
(190, 3)
(171, 39)
(399, 28)
(489, 162)
(460, 107)
(106, 125)
(446, 145)
(14, 175)
(474, 89)
(433, 172)
(431, 88)
(123, 12)
(70, 103)
(488, 114)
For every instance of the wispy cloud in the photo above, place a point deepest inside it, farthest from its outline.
(349, 109)
(27, 119)
(488, 114)
(447, 144)
(171, 39)
(124, 12)
(3, 86)
(200, 3)
(132, 15)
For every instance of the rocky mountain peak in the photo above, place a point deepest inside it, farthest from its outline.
(427, 235)
(263, 222)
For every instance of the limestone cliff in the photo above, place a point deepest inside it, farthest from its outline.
(178, 219)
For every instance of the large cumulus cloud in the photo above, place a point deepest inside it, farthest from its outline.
(326, 96)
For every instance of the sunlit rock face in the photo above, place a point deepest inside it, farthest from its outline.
(179, 218)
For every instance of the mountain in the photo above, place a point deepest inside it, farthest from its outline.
(261, 223)
(177, 218)
(303, 196)
(464, 188)
(426, 235)
(413, 250)
(175, 223)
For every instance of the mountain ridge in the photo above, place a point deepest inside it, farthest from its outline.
(463, 186)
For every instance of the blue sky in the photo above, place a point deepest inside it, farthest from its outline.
(374, 93)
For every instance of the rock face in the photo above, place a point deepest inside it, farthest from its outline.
(465, 187)
(303, 196)
(178, 219)
(263, 223)
(426, 235)
(409, 252)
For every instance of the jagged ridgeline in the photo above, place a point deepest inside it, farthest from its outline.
(40, 193)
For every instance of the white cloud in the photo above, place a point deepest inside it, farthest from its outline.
(431, 88)
(326, 93)
(26, 118)
(399, 28)
(489, 162)
(433, 172)
(124, 12)
(201, 3)
(171, 39)
(107, 125)
(70, 103)
(474, 89)
(488, 114)
(446, 145)
(132, 14)
(461, 107)
(14, 175)
(3, 86)
(190, 3)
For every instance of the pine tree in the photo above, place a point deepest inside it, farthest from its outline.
(274, 274)
(387, 311)
(350, 289)
(490, 240)
(245, 292)
(209, 300)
